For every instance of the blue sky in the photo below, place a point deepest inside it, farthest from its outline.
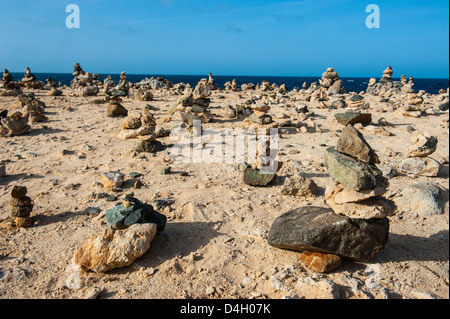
(247, 37)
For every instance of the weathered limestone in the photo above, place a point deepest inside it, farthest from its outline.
(114, 249)
(13, 125)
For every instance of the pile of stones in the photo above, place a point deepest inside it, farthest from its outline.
(386, 87)
(8, 86)
(358, 184)
(358, 228)
(142, 126)
(85, 82)
(31, 107)
(29, 81)
(21, 207)
(13, 125)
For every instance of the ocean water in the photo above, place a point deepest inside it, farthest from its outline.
(351, 84)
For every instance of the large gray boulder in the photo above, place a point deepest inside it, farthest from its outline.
(319, 229)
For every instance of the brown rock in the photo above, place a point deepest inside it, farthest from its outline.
(353, 143)
(340, 194)
(24, 222)
(21, 202)
(17, 211)
(19, 192)
(374, 207)
(320, 262)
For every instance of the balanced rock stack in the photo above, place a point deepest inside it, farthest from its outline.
(21, 207)
(358, 184)
(85, 82)
(31, 107)
(260, 115)
(387, 75)
(133, 211)
(115, 109)
(142, 126)
(357, 102)
(8, 86)
(408, 87)
(414, 105)
(331, 83)
(358, 229)
(29, 80)
(52, 88)
(123, 87)
(386, 87)
(418, 161)
(14, 125)
(193, 107)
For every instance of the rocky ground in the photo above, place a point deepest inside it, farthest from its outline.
(215, 241)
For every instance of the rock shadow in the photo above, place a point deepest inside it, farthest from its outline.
(177, 240)
(414, 248)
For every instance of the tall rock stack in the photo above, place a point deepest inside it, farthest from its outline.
(386, 87)
(358, 184)
(84, 82)
(331, 83)
(356, 227)
(21, 207)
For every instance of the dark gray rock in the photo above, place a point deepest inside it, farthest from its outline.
(353, 118)
(319, 229)
(352, 173)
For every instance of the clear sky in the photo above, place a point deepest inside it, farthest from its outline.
(245, 37)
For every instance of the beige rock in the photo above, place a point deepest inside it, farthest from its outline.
(309, 288)
(374, 207)
(114, 249)
(112, 180)
(339, 194)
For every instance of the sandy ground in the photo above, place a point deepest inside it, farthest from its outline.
(215, 242)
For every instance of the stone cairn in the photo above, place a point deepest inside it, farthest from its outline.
(14, 124)
(132, 225)
(330, 84)
(8, 86)
(31, 107)
(386, 87)
(142, 126)
(29, 81)
(123, 87)
(52, 88)
(356, 226)
(115, 109)
(21, 207)
(193, 107)
(418, 161)
(358, 184)
(84, 82)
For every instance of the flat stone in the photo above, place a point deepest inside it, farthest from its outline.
(353, 118)
(374, 207)
(339, 194)
(319, 229)
(423, 166)
(320, 262)
(352, 173)
(353, 143)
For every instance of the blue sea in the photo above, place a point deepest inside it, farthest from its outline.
(351, 84)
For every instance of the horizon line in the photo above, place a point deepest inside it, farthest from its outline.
(280, 76)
